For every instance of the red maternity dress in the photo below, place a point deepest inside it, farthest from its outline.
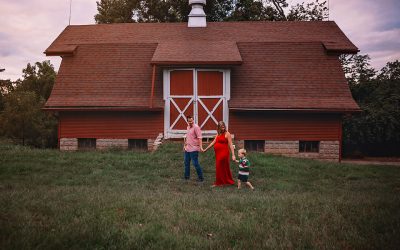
(223, 174)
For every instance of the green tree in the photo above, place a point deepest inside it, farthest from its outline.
(248, 10)
(390, 72)
(22, 118)
(125, 11)
(376, 130)
(314, 11)
(6, 86)
(357, 68)
(38, 78)
(115, 11)
(160, 11)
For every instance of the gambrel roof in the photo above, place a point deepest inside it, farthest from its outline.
(274, 65)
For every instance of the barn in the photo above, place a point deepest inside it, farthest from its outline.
(279, 86)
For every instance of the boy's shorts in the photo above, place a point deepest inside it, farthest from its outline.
(243, 178)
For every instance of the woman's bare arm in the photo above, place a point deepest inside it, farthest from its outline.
(229, 138)
(211, 144)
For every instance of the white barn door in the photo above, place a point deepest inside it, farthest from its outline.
(201, 93)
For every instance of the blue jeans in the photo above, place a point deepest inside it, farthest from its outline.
(194, 156)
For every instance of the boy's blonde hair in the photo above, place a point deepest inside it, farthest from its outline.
(243, 151)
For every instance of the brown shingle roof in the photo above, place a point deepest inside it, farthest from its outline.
(62, 50)
(105, 75)
(289, 76)
(216, 31)
(197, 53)
(284, 64)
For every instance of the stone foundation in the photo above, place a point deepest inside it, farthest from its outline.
(286, 148)
(328, 150)
(103, 144)
(68, 144)
(71, 144)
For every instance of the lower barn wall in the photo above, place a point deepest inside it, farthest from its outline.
(283, 131)
(71, 144)
(328, 150)
(111, 125)
(284, 126)
(110, 129)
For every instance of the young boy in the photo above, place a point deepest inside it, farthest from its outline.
(244, 166)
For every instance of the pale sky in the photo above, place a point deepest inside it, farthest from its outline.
(27, 28)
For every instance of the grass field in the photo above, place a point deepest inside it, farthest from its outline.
(127, 200)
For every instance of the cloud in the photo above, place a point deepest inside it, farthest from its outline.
(373, 26)
(29, 27)
(382, 40)
(382, 57)
(5, 49)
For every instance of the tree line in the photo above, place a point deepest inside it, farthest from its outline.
(375, 130)
(21, 116)
(128, 11)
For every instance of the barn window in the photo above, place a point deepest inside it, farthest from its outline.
(308, 146)
(137, 144)
(86, 143)
(254, 145)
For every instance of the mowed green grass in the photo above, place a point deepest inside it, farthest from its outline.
(133, 200)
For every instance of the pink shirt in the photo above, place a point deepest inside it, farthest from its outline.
(193, 135)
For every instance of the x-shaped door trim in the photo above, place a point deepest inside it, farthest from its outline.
(181, 112)
(210, 113)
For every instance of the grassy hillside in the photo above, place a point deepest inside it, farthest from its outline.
(128, 200)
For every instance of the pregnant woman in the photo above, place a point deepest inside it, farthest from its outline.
(222, 143)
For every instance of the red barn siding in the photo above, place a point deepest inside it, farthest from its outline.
(111, 125)
(210, 83)
(284, 126)
(181, 82)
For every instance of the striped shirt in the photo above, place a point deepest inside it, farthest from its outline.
(244, 166)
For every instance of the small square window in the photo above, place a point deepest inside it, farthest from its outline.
(308, 146)
(86, 143)
(254, 145)
(137, 144)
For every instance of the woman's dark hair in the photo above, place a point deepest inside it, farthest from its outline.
(188, 117)
(219, 129)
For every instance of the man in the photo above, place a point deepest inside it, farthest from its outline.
(193, 144)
